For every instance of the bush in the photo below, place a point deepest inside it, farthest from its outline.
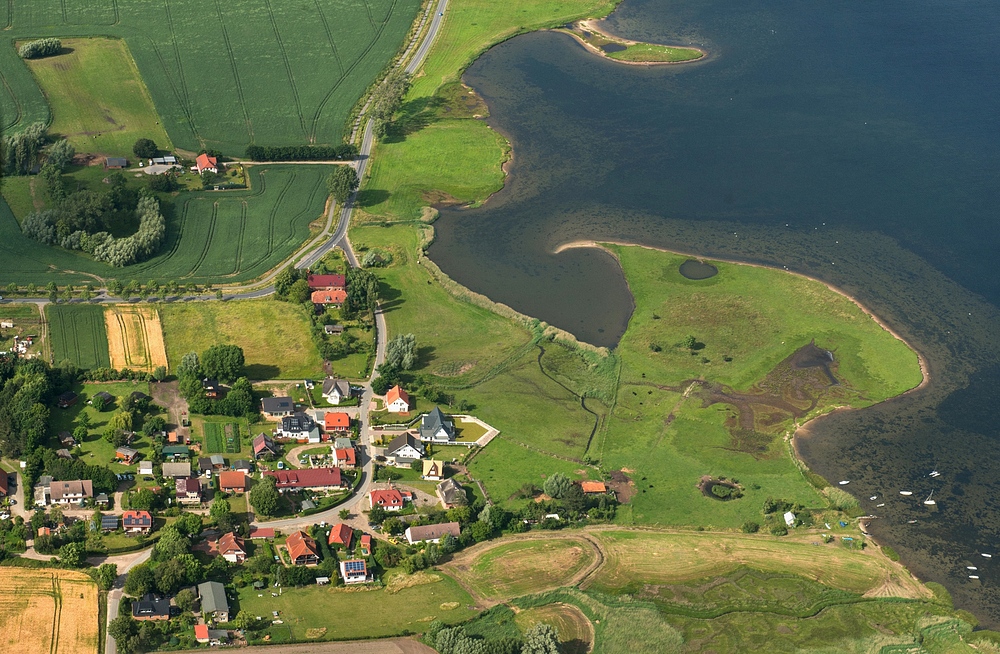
(165, 183)
(750, 527)
(40, 48)
(345, 152)
(145, 148)
(722, 491)
(779, 530)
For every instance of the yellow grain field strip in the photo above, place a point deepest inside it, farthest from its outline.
(47, 612)
(135, 337)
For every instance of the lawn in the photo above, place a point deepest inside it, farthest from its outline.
(342, 614)
(224, 75)
(278, 346)
(78, 333)
(457, 340)
(504, 466)
(653, 52)
(97, 97)
(212, 236)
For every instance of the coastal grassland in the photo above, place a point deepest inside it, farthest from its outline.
(504, 570)
(223, 236)
(77, 333)
(456, 340)
(359, 613)
(48, 611)
(654, 53)
(277, 346)
(223, 75)
(95, 450)
(504, 466)
(97, 97)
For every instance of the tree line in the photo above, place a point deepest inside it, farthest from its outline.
(40, 48)
(345, 152)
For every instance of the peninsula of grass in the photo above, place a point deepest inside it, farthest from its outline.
(274, 335)
(97, 97)
(627, 51)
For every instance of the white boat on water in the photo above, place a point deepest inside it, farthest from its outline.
(845, 482)
(929, 501)
(907, 493)
(973, 576)
(988, 556)
(934, 473)
(911, 522)
(873, 498)
(971, 567)
(878, 506)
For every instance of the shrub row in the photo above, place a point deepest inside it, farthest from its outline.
(344, 152)
(40, 48)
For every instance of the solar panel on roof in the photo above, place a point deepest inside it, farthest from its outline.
(354, 566)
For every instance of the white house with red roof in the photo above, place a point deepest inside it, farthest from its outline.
(389, 499)
(397, 400)
(205, 162)
(341, 534)
(345, 458)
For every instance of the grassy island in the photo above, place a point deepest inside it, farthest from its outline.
(627, 51)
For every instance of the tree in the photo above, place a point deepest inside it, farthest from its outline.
(377, 515)
(123, 629)
(344, 514)
(106, 575)
(222, 513)
(342, 182)
(143, 500)
(393, 526)
(60, 154)
(185, 600)
(145, 148)
(689, 342)
(170, 575)
(223, 362)
(557, 485)
(172, 544)
(380, 385)
(299, 291)
(401, 352)
(541, 639)
(243, 619)
(190, 366)
(264, 497)
(140, 580)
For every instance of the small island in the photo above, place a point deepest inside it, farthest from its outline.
(627, 51)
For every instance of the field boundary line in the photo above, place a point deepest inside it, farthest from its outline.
(208, 240)
(288, 68)
(236, 72)
(329, 36)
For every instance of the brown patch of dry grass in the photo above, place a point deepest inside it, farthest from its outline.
(47, 612)
(135, 337)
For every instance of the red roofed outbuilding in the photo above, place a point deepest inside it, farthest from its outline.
(311, 478)
(327, 282)
(341, 534)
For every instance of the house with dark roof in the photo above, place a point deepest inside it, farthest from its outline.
(214, 601)
(342, 443)
(67, 399)
(189, 490)
(314, 479)
(326, 282)
(218, 461)
(151, 607)
(211, 387)
(4, 484)
(432, 533)
(404, 450)
(177, 469)
(127, 455)
(232, 481)
(354, 571)
(333, 330)
(435, 428)
(66, 440)
(242, 465)
(115, 163)
(341, 534)
(106, 396)
(389, 499)
(176, 452)
(298, 427)
(137, 522)
(71, 492)
(302, 549)
(204, 464)
(336, 391)
(264, 447)
(277, 407)
(451, 494)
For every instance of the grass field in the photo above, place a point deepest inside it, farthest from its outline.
(78, 333)
(325, 613)
(223, 75)
(226, 236)
(576, 633)
(135, 337)
(48, 612)
(507, 570)
(277, 346)
(643, 52)
(504, 466)
(97, 97)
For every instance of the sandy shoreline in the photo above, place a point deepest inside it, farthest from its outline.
(590, 26)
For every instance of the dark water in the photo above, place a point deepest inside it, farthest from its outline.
(853, 141)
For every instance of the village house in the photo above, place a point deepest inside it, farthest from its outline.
(261, 533)
(345, 458)
(298, 427)
(231, 548)
(336, 391)
(218, 461)
(277, 407)
(326, 282)
(435, 428)
(404, 450)
(176, 452)
(205, 465)
(593, 488)
(302, 549)
(314, 479)
(336, 422)
(389, 499)
(104, 396)
(432, 533)
(397, 400)
(151, 607)
(232, 481)
(126, 455)
(178, 469)
(211, 387)
(432, 470)
(137, 522)
(66, 440)
(189, 490)
(213, 600)
(210, 637)
(323, 298)
(264, 447)
(354, 571)
(77, 491)
(145, 467)
(67, 399)
(333, 330)
(341, 534)
(451, 494)
(242, 465)
(64, 454)
(342, 443)
(205, 162)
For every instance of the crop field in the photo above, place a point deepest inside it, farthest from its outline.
(224, 75)
(135, 337)
(511, 569)
(78, 333)
(47, 612)
(278, 346)
(223, 236)
(222, 436)
(97, 97)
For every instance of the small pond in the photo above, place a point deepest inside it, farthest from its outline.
(694, 269)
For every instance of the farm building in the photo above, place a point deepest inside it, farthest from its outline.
(390, 499)
(435, 428)
(404, 450)
(315, 479)
(341, 534)
(397, 400)
(264, 447)
(115, 163)
(263, 533)
(213, 600)
(354, 571)
(163, 161)
(336, 391)
(302, 549)
(432, 533)
(593, 487)
(205, 162)
(432, 470)
(137, 522)
(326, 282)
(151, 607)
(233, 481)
(277, 407)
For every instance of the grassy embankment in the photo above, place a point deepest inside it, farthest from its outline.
(632, 52)
(274, 335)
(102, 105)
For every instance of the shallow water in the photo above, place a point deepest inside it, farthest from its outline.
(855, 142)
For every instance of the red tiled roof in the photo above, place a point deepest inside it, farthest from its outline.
(137, 519)
(329, 297)
(229, 543)
(306, 477)
(326, 281)
(366, 543)
(300, 544)
(391, 497)
(396, 393)
(201, 631)
(232, 479)
(346, 455)
(336, 420)
(261, 532)
(341, 534)
(205, 161)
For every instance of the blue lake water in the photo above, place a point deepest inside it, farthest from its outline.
(853, 141)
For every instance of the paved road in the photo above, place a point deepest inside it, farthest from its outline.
(125, 563)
